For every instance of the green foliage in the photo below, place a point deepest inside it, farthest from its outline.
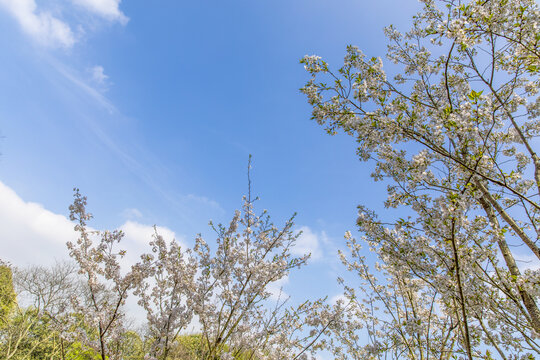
(187, 347)
(40, 342)
(77, 351)
(8, 299)
(131, 346)
(192, 347)
(27, 336)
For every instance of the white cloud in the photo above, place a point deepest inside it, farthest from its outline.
(142, 234)
(108, 9)
(42, 26)
(33, 235)
(308, 243)
(51, 31)
(98, 74)
(30, 234)
(136, 239)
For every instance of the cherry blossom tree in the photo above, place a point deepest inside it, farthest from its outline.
(223, 286)
(226, 286)
(166, 293)
(232, 297)
(454, 134)
(105, 286)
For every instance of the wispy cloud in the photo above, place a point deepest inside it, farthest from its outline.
(131, 213)
(98, 74)
(76, 80)
(49, 29)
(108, 9)
(40, 25)
(203, 200)
(140, 161)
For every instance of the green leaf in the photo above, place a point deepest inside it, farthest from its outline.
(532, 69)
(475, 95)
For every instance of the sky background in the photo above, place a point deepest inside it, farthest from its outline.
(152, 108)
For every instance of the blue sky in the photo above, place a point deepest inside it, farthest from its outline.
(152, 108)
